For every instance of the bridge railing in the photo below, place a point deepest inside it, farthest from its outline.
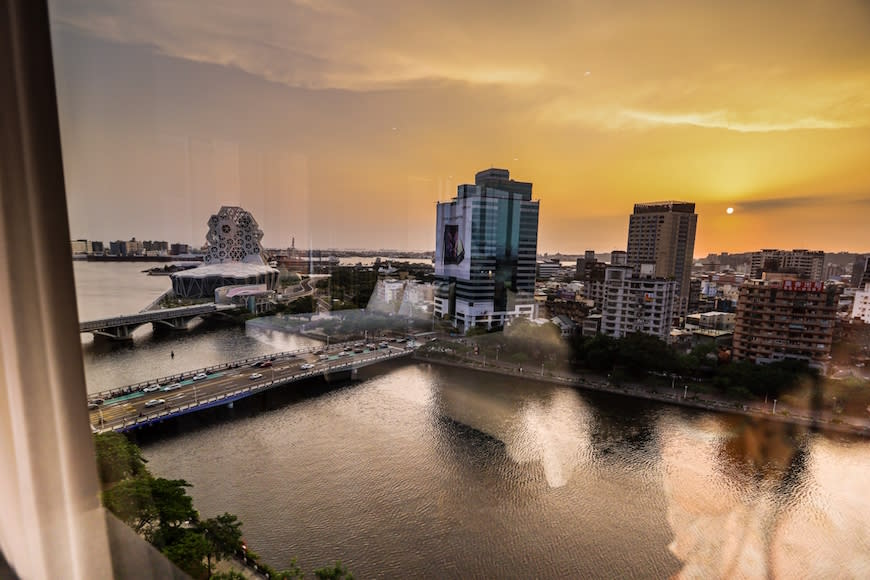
(150, 316)
(240, 393)
(132, 388)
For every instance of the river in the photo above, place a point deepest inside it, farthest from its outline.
(419, 470)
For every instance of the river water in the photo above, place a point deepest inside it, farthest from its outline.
(420, 470)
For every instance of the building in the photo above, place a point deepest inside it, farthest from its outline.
(618, 258)
(178, 249)
(642, 303)
(805, 264)
(781, 317)
(233, 257)
(485, 246)
(97, 248)
(861, 272)
(79, 246)
(155, 248)
(118, 248)
(663, 233)
(584, 264)
(861, 304)
(548, 269)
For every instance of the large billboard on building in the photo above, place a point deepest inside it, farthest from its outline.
(454, 251)
(803, 285)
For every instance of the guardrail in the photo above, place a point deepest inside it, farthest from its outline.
(127, 389)
(241, 393)
(150, 316)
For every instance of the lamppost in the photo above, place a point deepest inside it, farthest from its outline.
(685, 391)
(774, 406)
(195, 397)
(542, 368)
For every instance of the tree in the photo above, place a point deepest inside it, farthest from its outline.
(337, 572)
(117, 458)
(132, 501)
(223, 535)
(188, 552)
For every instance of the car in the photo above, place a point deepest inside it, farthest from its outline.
(256, 376)
(155, 402)
(151, 388)
(93, 406)
(307, 366)
(172, 387)
(324, 357)
(200, 376)
(97, 401)
(266, 364)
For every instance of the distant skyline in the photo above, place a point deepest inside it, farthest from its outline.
(343, 124)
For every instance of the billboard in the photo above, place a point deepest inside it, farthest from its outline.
(803, 285)
(454, 252)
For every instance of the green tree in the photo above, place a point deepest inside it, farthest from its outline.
(133, 502)
(223, 535)
(117, 458)
(188, 551)
(337, 572)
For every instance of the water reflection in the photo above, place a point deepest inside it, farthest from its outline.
(756, 499)
(425, 471)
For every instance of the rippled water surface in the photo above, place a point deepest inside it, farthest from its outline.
(427, 471)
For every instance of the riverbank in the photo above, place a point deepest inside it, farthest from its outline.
(783, 414)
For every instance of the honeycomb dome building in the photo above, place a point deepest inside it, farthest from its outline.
(234, 257)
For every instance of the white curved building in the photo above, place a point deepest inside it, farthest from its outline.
(234, 257)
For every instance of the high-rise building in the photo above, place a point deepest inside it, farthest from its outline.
(486, 241)
(663, 233)
(861, 304)
(861, 272)
(782, 317)
(637, 302)
(806, 264)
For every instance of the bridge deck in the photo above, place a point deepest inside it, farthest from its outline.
(126, 409)
(154, 316)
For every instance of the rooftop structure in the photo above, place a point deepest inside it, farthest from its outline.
(234, 257)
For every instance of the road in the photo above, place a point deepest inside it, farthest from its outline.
(117, 412)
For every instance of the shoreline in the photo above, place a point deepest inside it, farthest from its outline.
(601, 385)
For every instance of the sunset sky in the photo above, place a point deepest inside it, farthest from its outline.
(342, 122)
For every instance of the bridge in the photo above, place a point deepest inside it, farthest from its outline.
(131, 407)
(122, 327)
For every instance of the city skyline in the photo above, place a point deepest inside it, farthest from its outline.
(343, 128)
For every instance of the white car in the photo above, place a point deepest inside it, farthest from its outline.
(155, 402)
(256, 376)
(172, 387)
(307, 366)
(200, 376)
(151, 388)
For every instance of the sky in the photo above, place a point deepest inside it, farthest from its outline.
(341, 123)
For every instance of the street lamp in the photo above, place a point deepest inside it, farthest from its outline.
(685, 391)
(774, 406)
(195, 397)
(542, 368)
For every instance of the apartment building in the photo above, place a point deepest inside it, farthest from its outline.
(782, 317)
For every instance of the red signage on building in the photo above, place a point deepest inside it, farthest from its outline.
(803, 285)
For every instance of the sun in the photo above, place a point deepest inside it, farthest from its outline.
(729, 211)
